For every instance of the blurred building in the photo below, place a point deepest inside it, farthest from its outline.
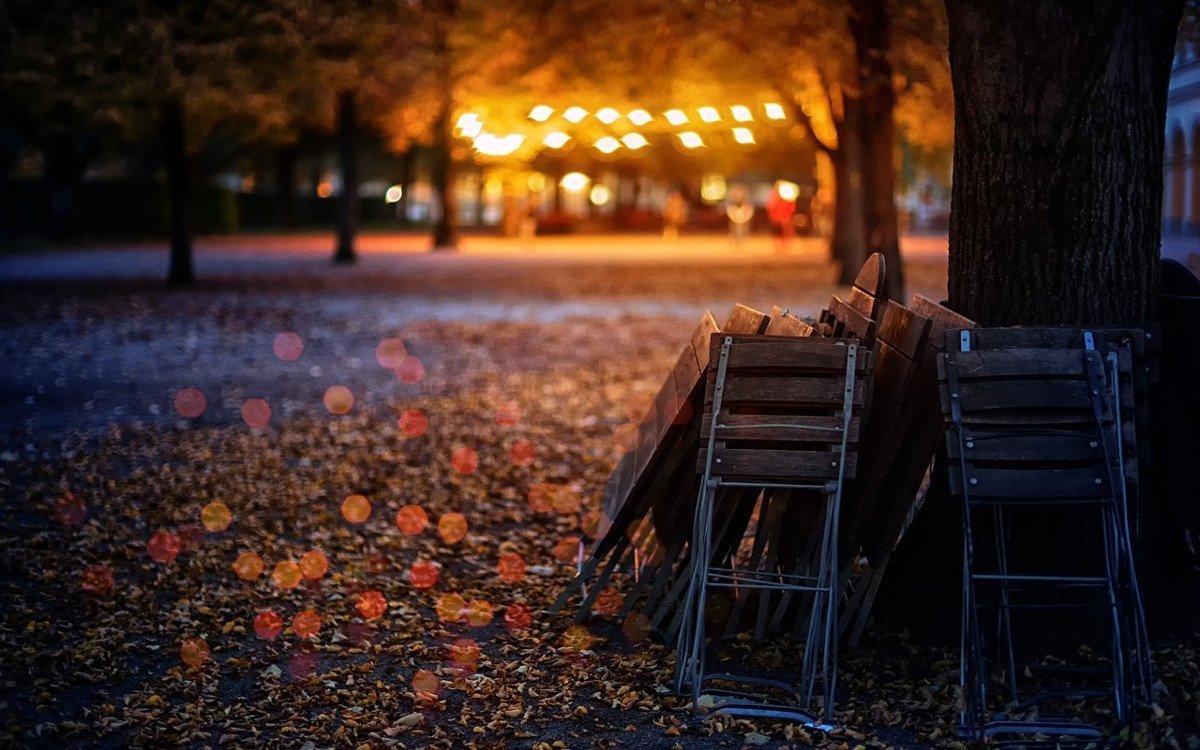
(1181, 165)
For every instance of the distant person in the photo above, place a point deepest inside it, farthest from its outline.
(740, 213)
(674, 213)
(781, 208)
(529, 221)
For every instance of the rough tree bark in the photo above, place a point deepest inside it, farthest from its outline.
(179, 207)
(407, 168)
(445, 229)
(1059, 119)
(347, 204)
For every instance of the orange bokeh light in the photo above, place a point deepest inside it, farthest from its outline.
(577, 638)
(511, 568)
(450, 607)
(567, 550)
(517, 616)
(163, 547)
(410, 370)
(306, 624)
(464, 654)
(268, 625)
(287, 574)
(464, 460)
(426, 685)
(194, 652)
(413, 423)
(70, 509)
(313, 564)
(423, 575)
(356, 508)
(256, 412)
(479, 613)
(190, 403)
(452, 527)
(541, 497)
(338, 399)
(216, 517)
(412, 519)
(522, 452)
(97, 579)
(508, 414)
(248, 566)
(390, 353)
(567, 500)
(288, 346)
(608, 602)
(371, 604)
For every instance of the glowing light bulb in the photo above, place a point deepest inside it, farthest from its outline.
(709, 114)
(743, 135)
(541, 113)
(466, 120)
(690, 139)
(557, 139)
(574, 182)
(608, 144)
(634, 140)
(599, 195)
(675, 116)
(574, 114)
(608, 115)
(393, 194)
(639, 117)
(740, 113)
(774, 111)
(789, 191)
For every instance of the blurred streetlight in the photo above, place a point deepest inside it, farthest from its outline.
(608, 115)
(709, 114)
(675, 116)
(393, 194)
(741, 113)
(774, 111)
(690, 139)
(574, 182)
(575, 114)
(599, 195)
(639, 117)
(541, 113)
(557, 139)
(608, 144)
(743, 135)
(634, 140)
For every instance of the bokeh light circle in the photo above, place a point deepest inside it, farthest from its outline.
(508, 414)
(452, 527)
(426, 685)
(566, 551)
(193, 652)
(356, 508)
(306, 624)
(190, 535)
(412, 519)
(464, 654)
(190, 403)
(423, 575)
(541, 497)
(413, 423)
(313, 564)
(517, 616)
(256, 412)
(97, 579)
(450, 607)
(464, 460)
(567, 500)
(522, 452)
(268, 625)
(288, 346)
(163, 547)
(338, 400)
(577, 638)
(511, 568)
(371, 605)
(248, 566)
(390, 353)
(479, 613)
(410, 371)
(287, 574)
(216, 517)
(608, 602)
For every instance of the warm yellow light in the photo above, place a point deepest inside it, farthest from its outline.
(466, 119)
(712, 188)
(608, 115)
(575, 114)
(536, 182)
(557, 139)
(774, 111)
(493, 145)
(639, 117)
(541, 113)
(709, 114)
(608, 144)
(789, 191)
(574, 182)
(740, 113)
(471, 129)
(634, 140)
(743, 135)
(393, 194)
(675, 116)
(324, 189)
(690, 139)
(599, 195)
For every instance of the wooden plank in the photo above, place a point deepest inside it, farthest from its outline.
(1001, 446)
(872, 276)
(743, 319)
(781, 464)
(904, 330)
(1022, 394)
(864, 303)
(647, 443)
(852, 323)
(1014, 363)
(780, 427)
(785, 324)
(685, 373)
(666, 406)
(941, 318)
(764, 353)
(894, 373)
(1030, 484)
(793, 391)
(701, 337)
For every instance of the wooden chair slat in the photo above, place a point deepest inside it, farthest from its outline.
(782, 464)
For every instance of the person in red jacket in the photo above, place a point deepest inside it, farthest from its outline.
(781, 207)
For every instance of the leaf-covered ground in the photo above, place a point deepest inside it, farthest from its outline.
(132, 611)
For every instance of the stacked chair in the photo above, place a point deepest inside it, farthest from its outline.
(1042, 452)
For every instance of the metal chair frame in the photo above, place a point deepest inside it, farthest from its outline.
(1131, 676)
(820, 652)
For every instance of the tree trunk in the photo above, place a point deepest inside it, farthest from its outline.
(406, 182)
(445, 229)
(179, 206)
(849, 241)
(347, 205)
(870, 25)
(1057, 197)
(285, 184)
